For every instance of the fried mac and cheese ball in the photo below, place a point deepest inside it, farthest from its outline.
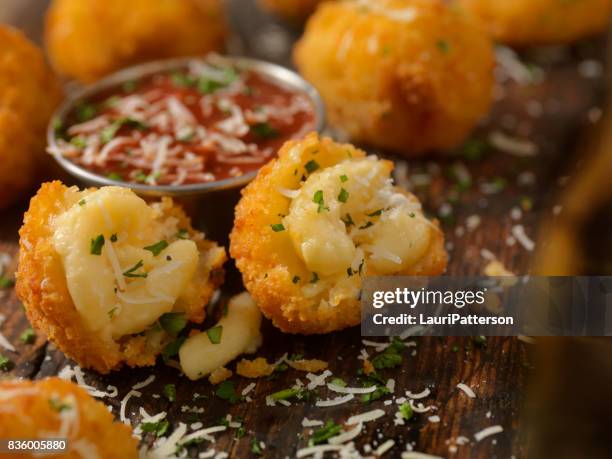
(99, 268)
(29, 92)
(87, 39)
(53, 409)
(318, 219)
(541, 22)
(292, 10)
(404, 75)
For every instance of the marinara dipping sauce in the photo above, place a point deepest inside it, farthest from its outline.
(207, 122)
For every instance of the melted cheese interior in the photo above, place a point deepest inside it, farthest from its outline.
(240, 335)
(350, 218)
(109, 301)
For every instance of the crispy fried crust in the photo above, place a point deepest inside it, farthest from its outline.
(268, 263)
(29, 92)
(87, 39)
(409, 76)
(41, 286)
(291, 10)
(32, 410)
(541, 22)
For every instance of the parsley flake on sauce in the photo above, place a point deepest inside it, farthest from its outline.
(264, 130)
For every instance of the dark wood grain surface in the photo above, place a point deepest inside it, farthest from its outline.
(555, 113)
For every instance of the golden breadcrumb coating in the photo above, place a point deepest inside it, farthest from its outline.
(106, 341)
(317, 219)
(409, 76)
(219, 375)
(88, 39)
(29, 92)
(310, 365)
(53, 408)
(257, 368)
(291, 10)
(541, 22)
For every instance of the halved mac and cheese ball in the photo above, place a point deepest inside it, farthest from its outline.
(291, 10)
(541, 22)
(317, 220)
(88, 39)
(100, 270)
(54, 410)
(408, 76)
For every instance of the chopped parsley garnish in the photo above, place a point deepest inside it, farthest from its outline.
(311, 166)
(256, 447)
(82, 202)
(170, 392)
(208, 86)
(315, 278)
(78, 142)
(320, 200)
(406, 410)
(278, 227)
(109, 132)
(6, 282)
(116, 176)
(182, 80)
(480, 341)
(366, 225)
(182, 234)
(5, 363)
(214, 334)
(227, 391)
(157, 248)
(286, 394)
(295, 279)
(381, 388)
(376, 213)
(158, 428)
(391, 357)
(173, 322)
(28, 336)
(58, 405)
(338, 382)
(264, 130)
(111, 312)
(474, 149)
(85, 112)
(58, 127)
(129, 85)
(172, 348)
(96, 244)
(443, 46)
(343, 196)
(343, 178)
(329, 430)
(348, 220)
(113, 237)
(132, 271)
(349, 271)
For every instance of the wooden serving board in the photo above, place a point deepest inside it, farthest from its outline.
(554, 113)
